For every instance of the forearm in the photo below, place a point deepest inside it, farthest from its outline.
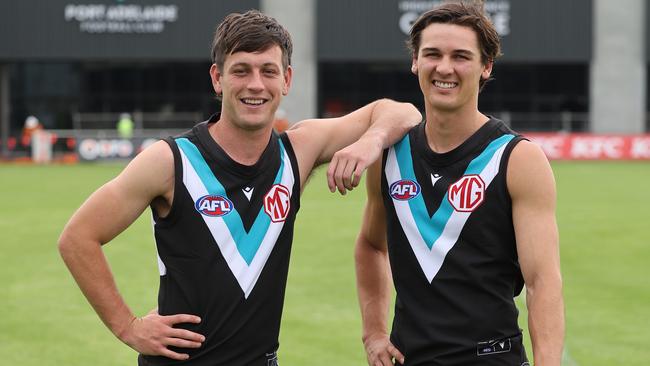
(373, 284)
(546, 321)
(390, 121)
(88, 266)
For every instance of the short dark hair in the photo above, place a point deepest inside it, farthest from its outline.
(466, 15)
(251, 31)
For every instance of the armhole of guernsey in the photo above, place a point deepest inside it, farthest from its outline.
(171, 215)
(382, 176)
(178, 183)
(284, 139)
(503, 165)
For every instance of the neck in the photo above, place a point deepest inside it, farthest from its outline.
(243, 146)
(446, 130)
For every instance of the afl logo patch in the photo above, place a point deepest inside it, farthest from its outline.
(404, 190)
(213, 205)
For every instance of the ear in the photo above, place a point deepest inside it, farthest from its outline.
(215, 75)
(414, 65)
(487, 70)
(287, 80)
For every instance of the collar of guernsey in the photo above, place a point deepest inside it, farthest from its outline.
(431, 237)
(245, 252)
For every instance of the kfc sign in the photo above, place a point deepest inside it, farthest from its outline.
(592, 147)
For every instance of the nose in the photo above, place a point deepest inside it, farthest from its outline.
(444, 66)
(255, 82)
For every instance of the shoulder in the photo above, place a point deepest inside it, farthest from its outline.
(151, 171)
(307, 130)
(159, 155)
(527, 155)
(529, 170)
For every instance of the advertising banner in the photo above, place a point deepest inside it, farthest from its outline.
(98, 149)
(593, 147)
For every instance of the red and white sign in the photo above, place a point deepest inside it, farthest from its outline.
(581, 146)
(277, 202)
(467, 193)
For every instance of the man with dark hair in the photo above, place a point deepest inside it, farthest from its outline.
(464, 209)
(224, 197)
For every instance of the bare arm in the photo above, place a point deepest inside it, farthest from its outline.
(105, 214)
(374, 127)
(373, 276)
(533, 212)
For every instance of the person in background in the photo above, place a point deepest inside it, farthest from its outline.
(125, 126)
(281, 123)
(32, 124)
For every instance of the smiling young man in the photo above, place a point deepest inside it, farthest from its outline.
(464, 210)
(224, 197)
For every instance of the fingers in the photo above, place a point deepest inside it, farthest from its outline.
(174, 355)
(181, 318)
(187, 335)
(386, 359)
(338, 168)
(153, 334)
(331, 169)
(358, 172)
(346, 178)
(344, 174)
(383, 360)
(396, 354)
(338, 174)
(182, 343)
(381, 352)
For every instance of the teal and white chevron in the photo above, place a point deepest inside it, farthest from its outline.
(245, 252)
(432, 237)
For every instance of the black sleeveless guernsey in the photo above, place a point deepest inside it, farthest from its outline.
(452, 250)
(224, 248)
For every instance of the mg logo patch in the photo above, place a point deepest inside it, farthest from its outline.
(404, 190)
(467, 193)
(213, 205)
(277, 202)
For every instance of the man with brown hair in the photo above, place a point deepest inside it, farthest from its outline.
(224, 197)
(464, 209)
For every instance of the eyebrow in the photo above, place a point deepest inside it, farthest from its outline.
(464, 52)
(246, 64)
(458, 51)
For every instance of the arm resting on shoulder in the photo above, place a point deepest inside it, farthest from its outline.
(373, 127)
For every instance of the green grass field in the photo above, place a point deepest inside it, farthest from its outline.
(603, 214)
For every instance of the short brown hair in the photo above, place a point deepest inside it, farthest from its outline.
(466, 15)
(251, 31)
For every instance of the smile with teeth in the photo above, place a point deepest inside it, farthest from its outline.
(445, 84)
(253, 101)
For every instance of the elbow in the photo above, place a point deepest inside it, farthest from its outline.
(548, 285)
(364, 247)
(70, 245)
(65, 245)
(385, 101)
